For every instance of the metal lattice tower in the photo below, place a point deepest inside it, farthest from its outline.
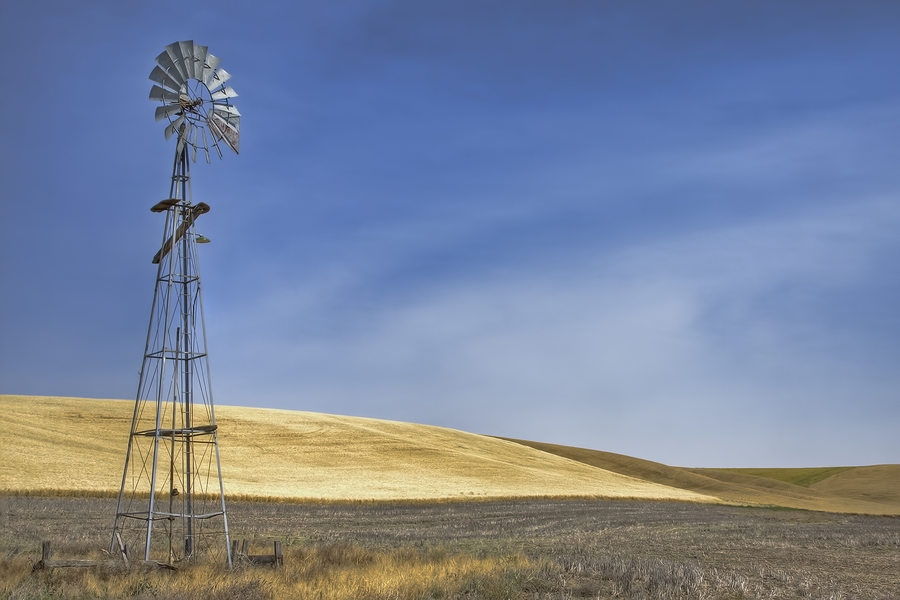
(172, 504)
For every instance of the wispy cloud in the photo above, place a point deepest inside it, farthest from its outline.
(640, 350)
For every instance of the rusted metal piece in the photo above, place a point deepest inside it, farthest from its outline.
(201, 208)
(240, 550)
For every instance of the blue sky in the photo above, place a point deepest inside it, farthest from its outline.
(662, 229)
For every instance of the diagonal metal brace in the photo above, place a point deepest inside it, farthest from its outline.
(193, 212)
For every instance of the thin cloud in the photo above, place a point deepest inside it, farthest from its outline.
(675, 329)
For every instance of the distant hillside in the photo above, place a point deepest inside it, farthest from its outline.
(867, 490)
(877, 483)
(804, 477)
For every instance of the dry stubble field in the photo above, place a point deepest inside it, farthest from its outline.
(490, 549)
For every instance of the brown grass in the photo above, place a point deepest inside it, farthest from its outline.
(877, 483)
(865, 490)
(335, 572)
(804, 477)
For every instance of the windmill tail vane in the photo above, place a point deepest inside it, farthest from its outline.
(171, 503)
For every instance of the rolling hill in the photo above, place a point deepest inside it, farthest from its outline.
(61, 445)
(70, 445)
(864, 490)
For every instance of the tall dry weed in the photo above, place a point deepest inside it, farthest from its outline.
(336, 572)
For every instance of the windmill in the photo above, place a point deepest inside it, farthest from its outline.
(171, 504)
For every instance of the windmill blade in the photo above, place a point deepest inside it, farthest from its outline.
(224, 94)
(216, 146)
(194, 144)
(200, 53)
(225, 132)
(182, 139)
(217, 79)
(209, 68)
(187, 54)
(174, 52)
(160, 77)
(173, 126)
(166, 112)
(232, 136)
(232, 121)
(163, 95)
(216, 126)
(227, 123)
(226, 110)
(205, 145)
(165, 62)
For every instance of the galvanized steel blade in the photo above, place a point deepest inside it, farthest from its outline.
(217, 79)
(209, 68)
(160, 77)
(215, 128)
(182, 139)
(174, 52)
(225, 132)
(168, 111)
(187, 54)
(173, 126)
(224, 94)
(227, 110)
(200, 53)
(233, 123)
(165, 62)
(226, 123)
(163, 95)
(205, 145)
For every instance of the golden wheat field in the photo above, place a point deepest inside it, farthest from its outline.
(51, 445)
(59, 445)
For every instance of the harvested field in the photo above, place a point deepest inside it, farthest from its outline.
(504, 549)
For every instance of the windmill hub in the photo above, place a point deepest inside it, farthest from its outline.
(189, 104)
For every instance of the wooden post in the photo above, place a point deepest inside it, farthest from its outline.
(279, 561)
(47, 561)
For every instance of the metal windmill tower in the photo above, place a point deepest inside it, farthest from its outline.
(171, 504)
